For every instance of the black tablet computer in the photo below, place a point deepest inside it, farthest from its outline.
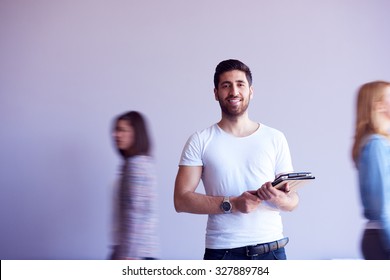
(295, 179)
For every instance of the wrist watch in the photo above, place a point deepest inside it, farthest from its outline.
(226, 206)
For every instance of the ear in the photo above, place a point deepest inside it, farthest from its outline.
(216, 94)
(251, 92)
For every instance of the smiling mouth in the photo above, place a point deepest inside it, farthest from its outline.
(234, 100)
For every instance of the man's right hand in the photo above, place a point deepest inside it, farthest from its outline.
(246, 202)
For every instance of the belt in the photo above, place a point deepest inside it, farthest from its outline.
(259, 249)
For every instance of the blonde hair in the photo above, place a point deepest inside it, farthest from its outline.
(367, 121)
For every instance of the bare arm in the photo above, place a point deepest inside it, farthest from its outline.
(187, 200)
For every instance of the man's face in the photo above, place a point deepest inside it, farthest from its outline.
(233, 93)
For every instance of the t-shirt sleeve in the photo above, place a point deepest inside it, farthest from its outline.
(192, 152)
(283, 162)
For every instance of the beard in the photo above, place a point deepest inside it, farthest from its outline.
(231, 112)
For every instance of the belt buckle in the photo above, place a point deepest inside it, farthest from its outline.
(248, 254)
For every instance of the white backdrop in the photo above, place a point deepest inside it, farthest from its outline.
(68, 67)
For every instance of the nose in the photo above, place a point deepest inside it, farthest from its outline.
(115, 134)
(234, 91)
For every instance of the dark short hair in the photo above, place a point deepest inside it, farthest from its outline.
(142, 143)
(230, 65)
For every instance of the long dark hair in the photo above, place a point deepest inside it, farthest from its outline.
(142, 143)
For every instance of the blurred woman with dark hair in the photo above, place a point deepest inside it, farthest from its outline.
(136, 215)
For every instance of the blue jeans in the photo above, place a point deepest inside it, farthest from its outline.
(226, 254)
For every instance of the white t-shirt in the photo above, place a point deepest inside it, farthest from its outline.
(231, 166)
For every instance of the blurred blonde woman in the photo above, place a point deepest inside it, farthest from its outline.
(371, 154)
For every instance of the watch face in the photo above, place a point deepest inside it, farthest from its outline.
(226, 206)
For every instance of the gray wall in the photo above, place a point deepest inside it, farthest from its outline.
(68, 67)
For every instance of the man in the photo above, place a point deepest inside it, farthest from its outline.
(234, 157)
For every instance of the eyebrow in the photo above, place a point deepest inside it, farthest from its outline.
(236, 81)
(229, 82)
